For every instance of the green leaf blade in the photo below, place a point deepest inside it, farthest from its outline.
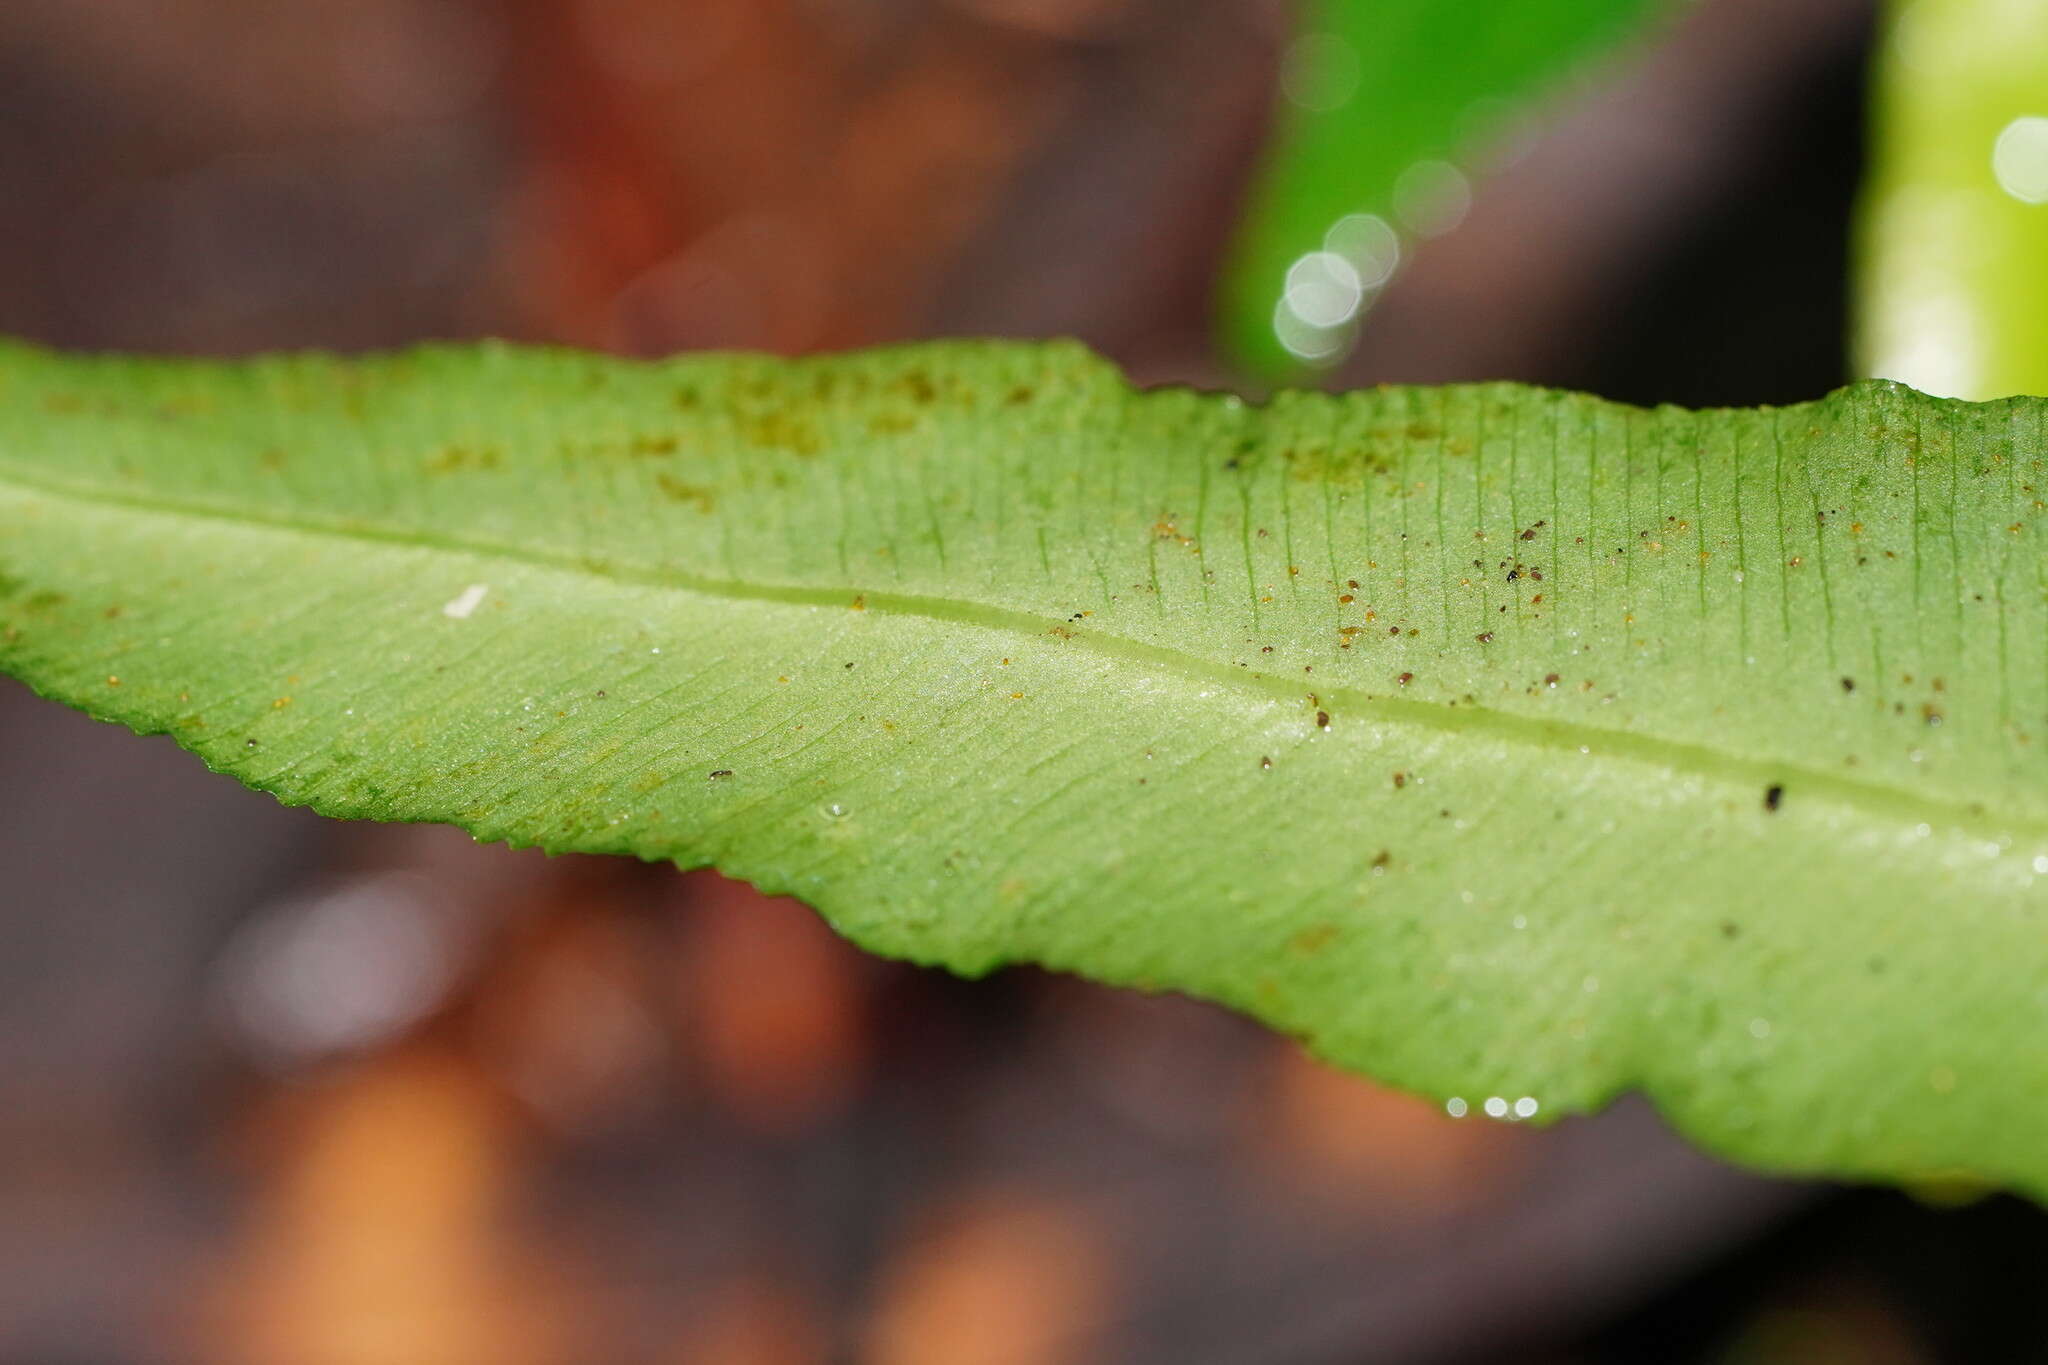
(1499, 742)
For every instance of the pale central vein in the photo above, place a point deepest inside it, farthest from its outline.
(1343, 703)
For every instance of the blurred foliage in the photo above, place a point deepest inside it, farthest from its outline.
(1954, 270)
(1383, 104)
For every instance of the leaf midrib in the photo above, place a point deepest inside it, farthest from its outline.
(1563, 736)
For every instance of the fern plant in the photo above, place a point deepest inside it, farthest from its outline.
(1510, 745)
(1513, 746)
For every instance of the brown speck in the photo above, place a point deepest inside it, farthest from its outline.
(1314, 939)
(1400, 780)
(1405, 678)
(601, 694)
(1350, 582)
(1930, 713)
(721, 772)
(1322, 720)
(1265, 763)
(1550, 679)
(675, 490)
(1265, 649)
(1484, 637)
(1730, 929)
(1774, 795)
(1848, 684)
(1529, 534)
(860, 603)
(1345, 597)
(1383, 860)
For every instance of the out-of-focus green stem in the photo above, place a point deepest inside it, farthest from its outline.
(1953, 272)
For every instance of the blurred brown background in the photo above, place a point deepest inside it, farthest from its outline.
(286, 1092)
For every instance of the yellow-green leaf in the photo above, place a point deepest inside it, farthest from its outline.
(1508, 745)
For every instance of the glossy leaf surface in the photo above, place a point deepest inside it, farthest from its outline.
(1508, 745)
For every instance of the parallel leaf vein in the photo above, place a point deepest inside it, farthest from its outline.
(1593, 742)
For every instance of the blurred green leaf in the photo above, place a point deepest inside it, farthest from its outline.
(1513, 746)
(1954, 271)
(1380, 102)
